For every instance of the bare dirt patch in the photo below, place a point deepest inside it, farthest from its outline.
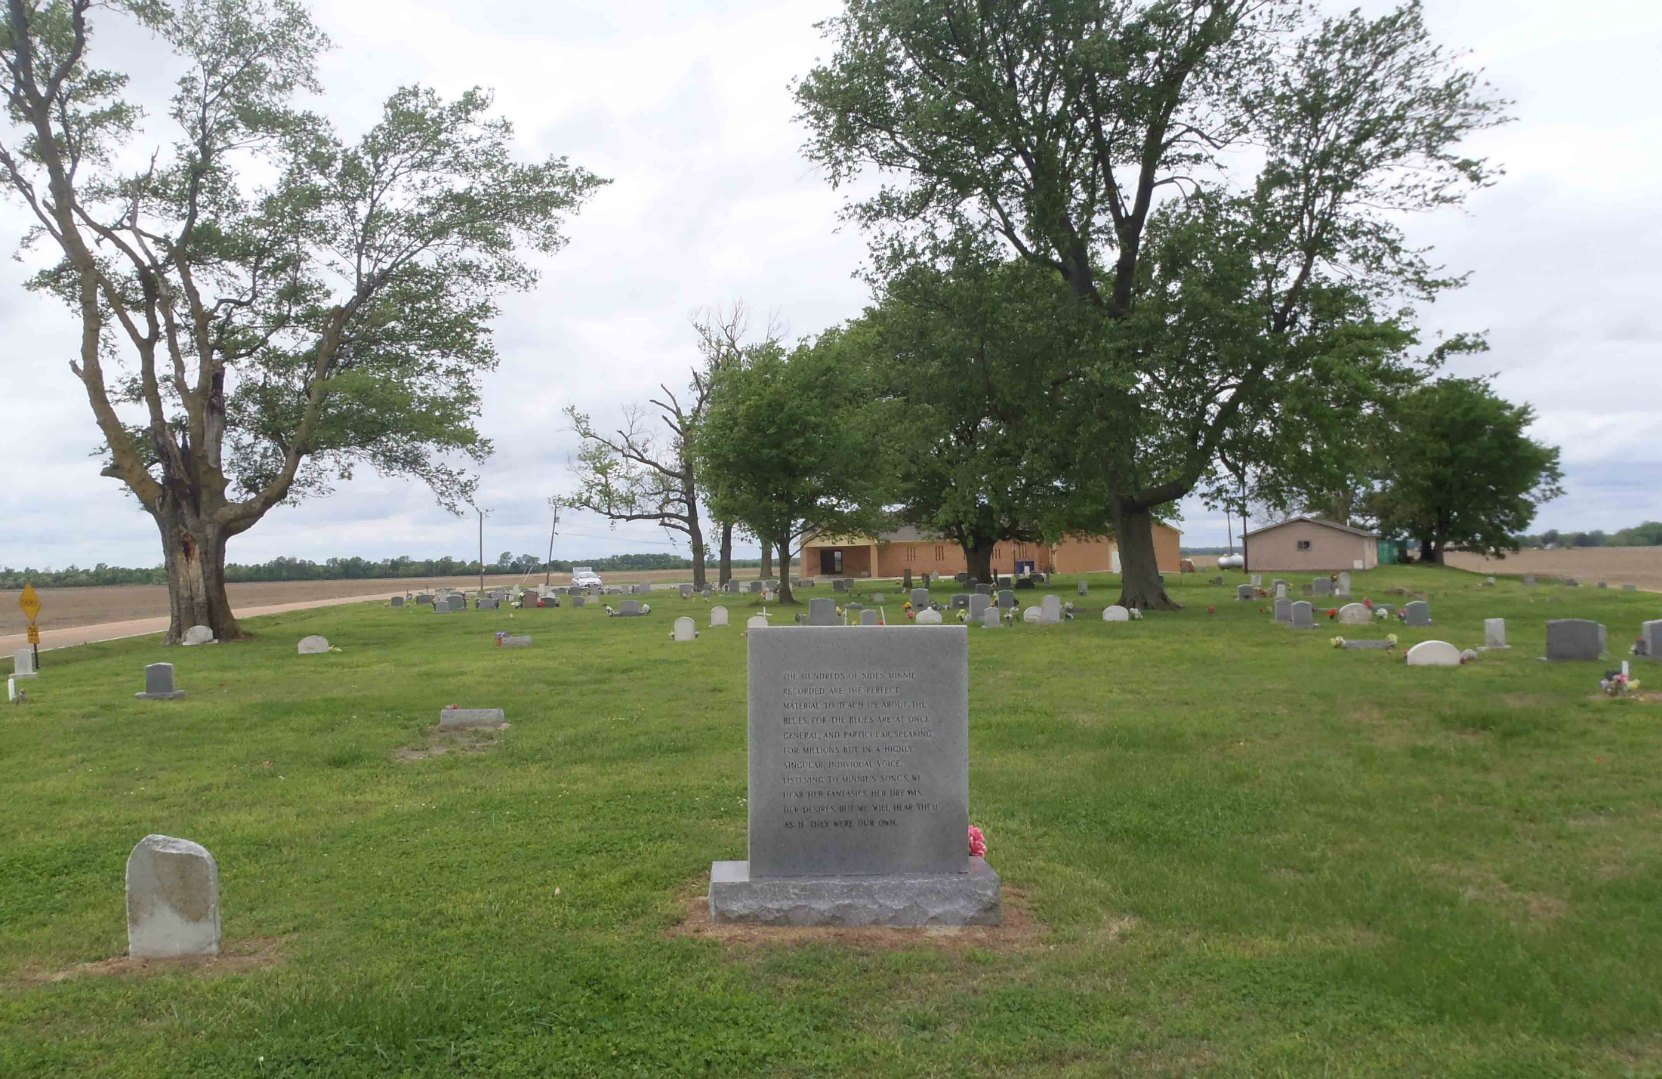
(441, 742)
(1019, 932)
(237, 957)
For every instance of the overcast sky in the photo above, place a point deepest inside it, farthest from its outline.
(686, 107)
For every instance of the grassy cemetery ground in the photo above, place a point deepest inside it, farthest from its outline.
(1227, 846)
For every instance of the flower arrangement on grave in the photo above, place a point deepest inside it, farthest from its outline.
(977, 843)
(1368, 603)
(1392, 637)
(1337, 642)
(502, 635)
(1332, 613)
(1618, 684)
(1214, 610)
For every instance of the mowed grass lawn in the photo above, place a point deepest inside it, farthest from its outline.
(1241, 849)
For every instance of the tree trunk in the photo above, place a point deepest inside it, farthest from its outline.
(1431, 552)
(785, 594)
(695, 539)
(724, 571)
(978, 557)
(767, 560)
(194, 553)
(1139, 567)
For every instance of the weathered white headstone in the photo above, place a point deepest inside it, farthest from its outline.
(1050, 610)
(684, 629)
(990, 619)
(1355, 614)
(1303, 615)
(1284, 610)
(859, 784)
(1434, 654)
(718, 616)
(313, 645)
(172, 899)
(1494, 633)
(1115, 613)
(23, 663)
(929, 617)
(1650, 635)
(1032, 616)
(197, 635)
(1281, 590)
(756, 621)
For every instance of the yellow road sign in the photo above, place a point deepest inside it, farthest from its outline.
(34, 634)
(29, 602)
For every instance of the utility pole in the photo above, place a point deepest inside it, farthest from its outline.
(548, 566)
(481, 549)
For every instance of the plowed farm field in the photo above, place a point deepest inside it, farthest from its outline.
(1641, 566)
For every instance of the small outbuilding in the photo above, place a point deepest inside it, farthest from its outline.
(1310, 545)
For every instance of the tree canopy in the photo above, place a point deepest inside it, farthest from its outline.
(265, 305)
(1218, 180)
(1461, 471)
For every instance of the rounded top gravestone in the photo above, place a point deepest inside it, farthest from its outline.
(684, 629)
(313, 645)
(1434, 654)
(1355, 614)
(1115, 613)
(718, 616)
(197, 635)
(1033, 615)
(929, 617)
(172, 899)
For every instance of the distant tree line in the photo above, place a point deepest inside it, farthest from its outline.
(345, 569)
(1648, 534)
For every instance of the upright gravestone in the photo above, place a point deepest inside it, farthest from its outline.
(629, 608)
(458, 603)
(1032, 616)
(1494, 633)
(197, 635)
(990, 619)
(313, 645)
(868, 618)
(1434, 654)
(1084, 589)
(1257, 580)
(1281, 590)
(487, 603)
(718, 616)
(1322, 586)
(158, 684)
(684, 629)
(925, 579)
(1574, 639)
(1284, 610)
(1303, 616)
(960, 601)
(1115, 613)
(1344, 583)
(1650, 636)
(978, 605)
(172, 899)
(1243, 591)
(1050, 610)
(579, 601)
(1354, 614)
(929, 617)
(757, 621)
(859, 784)
(906, 578)
(1416, 613)
(23, 663)
(686, 591)
(423, 600)
(1006, 599)
(755, 586)
(839, 585)
(451, 719)
(920, 597)
(398, 601)
(822, 612)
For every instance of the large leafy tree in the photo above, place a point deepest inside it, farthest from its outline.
(1199, 172)
(263, 305)
(789, 445)
(1460, 471)
(962, 356)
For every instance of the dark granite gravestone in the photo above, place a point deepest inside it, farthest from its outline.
(158, 684)
(1416, 613)
(1574, 639)
(859, 783)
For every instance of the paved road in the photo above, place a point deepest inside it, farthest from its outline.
(115, 631)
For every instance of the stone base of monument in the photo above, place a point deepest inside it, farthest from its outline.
(900, 900)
